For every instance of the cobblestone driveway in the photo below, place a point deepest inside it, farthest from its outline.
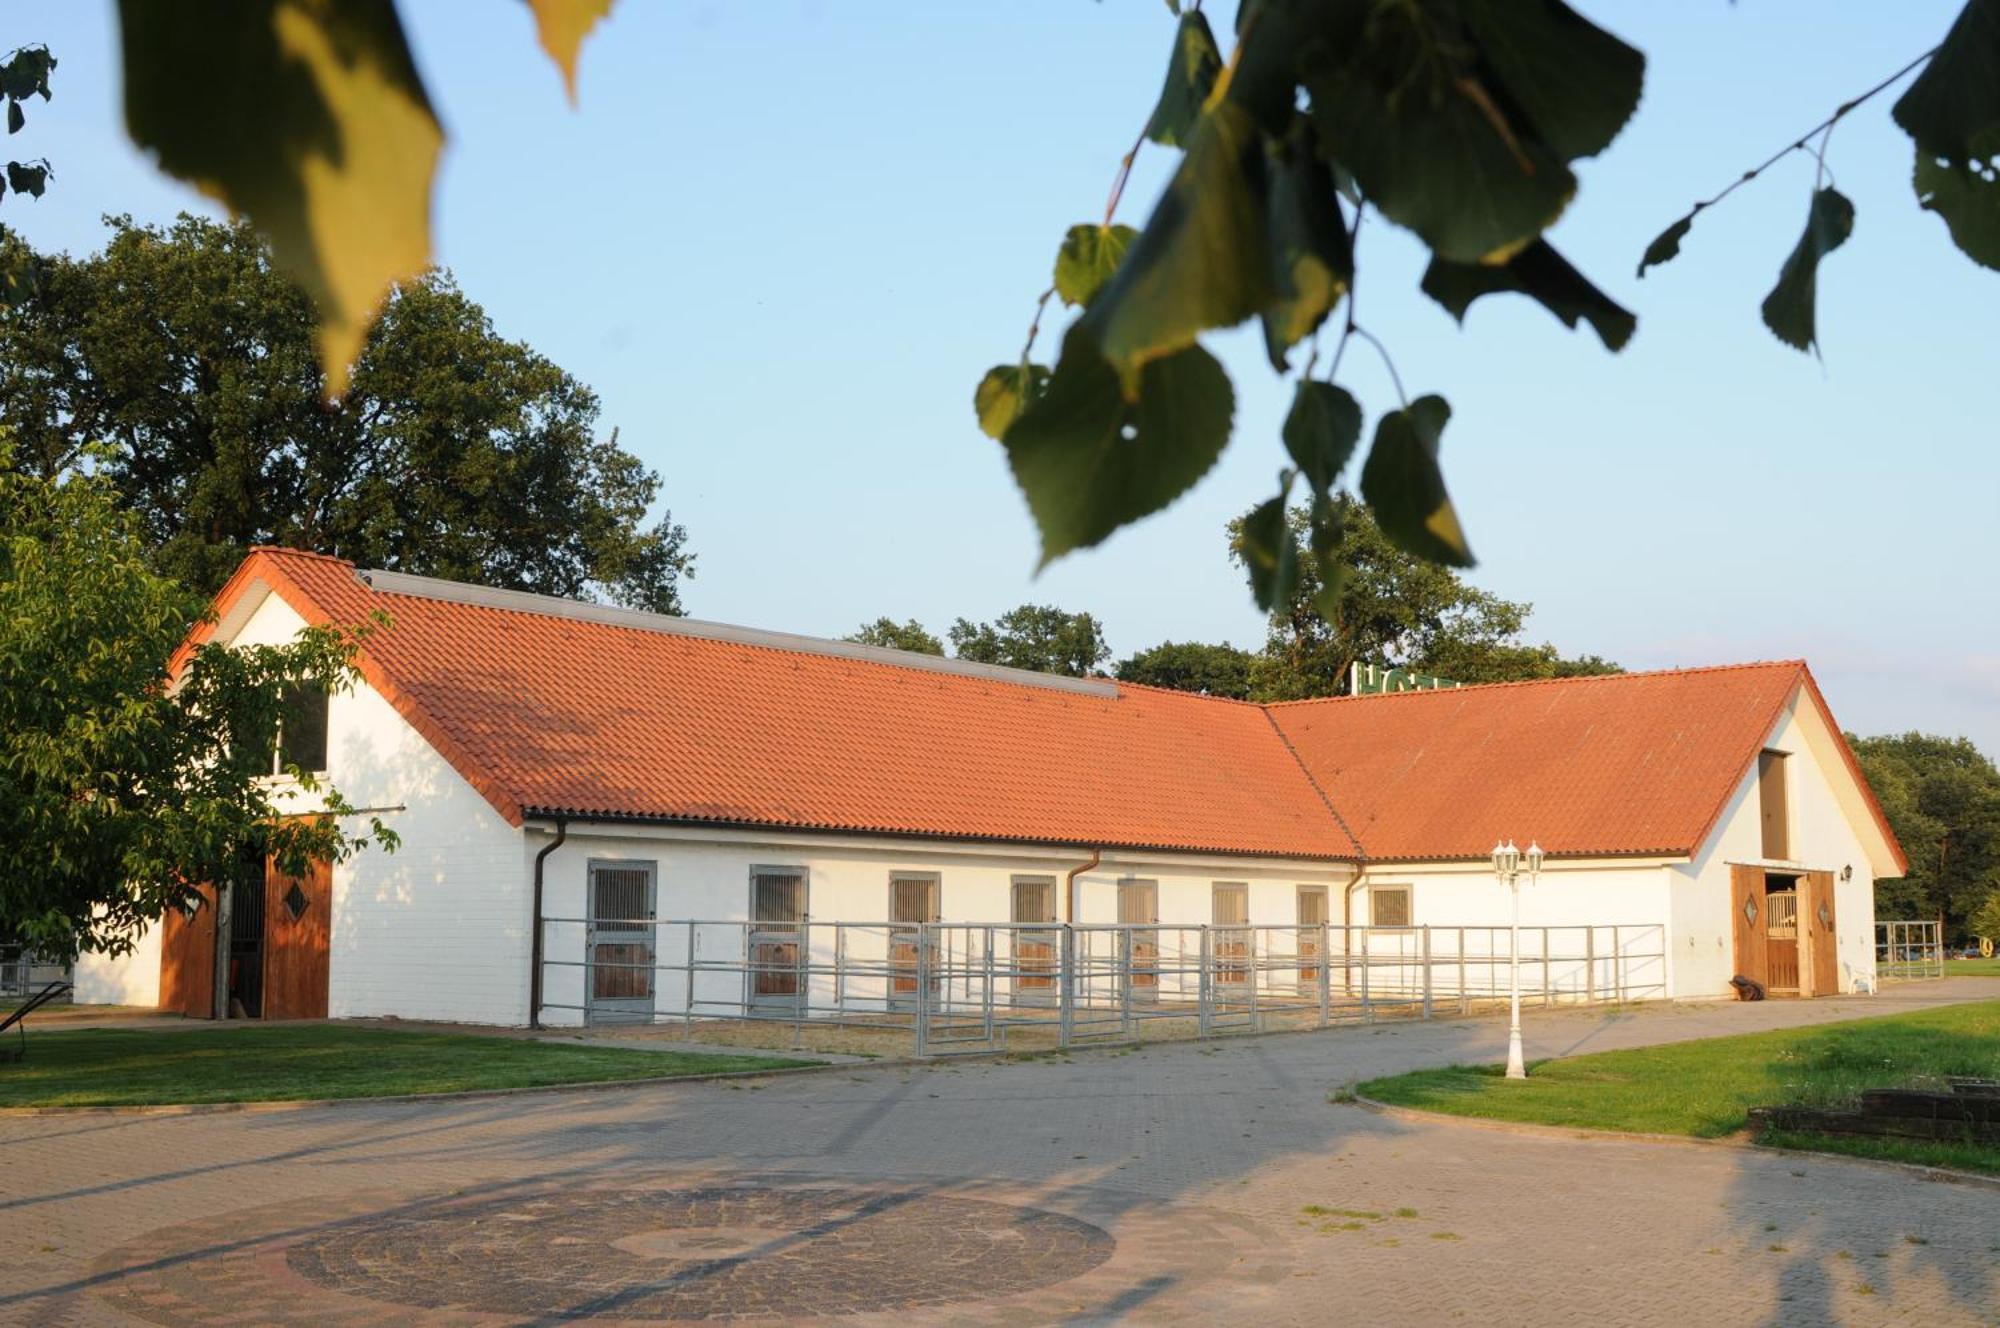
(1170, 1184)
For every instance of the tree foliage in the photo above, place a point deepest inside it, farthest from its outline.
(1458, 120)
(24, 74)
(454, 452)
(1192, 666)
(1942, 798)
(1040, 637)
(119, 792)
(1383, 605)
(892, 635)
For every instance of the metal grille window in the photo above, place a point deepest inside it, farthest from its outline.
(1034, 949)
(1389, 906)
(1231, 911)
(778, 915)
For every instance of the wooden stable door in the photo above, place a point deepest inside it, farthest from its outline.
(298, 925)
(187, 958)
(1746, 922)
(1820, 972)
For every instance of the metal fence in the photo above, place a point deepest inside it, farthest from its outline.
(1908, 951)
(987, 986)
(22, 972)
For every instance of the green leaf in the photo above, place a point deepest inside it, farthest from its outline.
(1312, 255)
(26, 73)
(28, 178)
(1956, 99)
(1088, 257)
(1321, 431)
(1459, 121)
(1789, 308)
(16, 120)
(1005, 391)
(1191, 75)
(1666, 245)
(1403, 485)
(561, 25)
(1968, 198)
(1089, 460)
(1575, 83)
(1543, 275)
(1201, 261)
(1270, 552)
(311, 120)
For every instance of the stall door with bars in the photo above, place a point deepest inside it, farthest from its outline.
(619, 953)
(1139, 909)
(913, 900)
(1229, 942)
(1312, 916)
(777, 937)
(1034, 947)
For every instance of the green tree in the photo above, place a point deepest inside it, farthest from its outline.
(1986, 922)
(120, 793)
(1942, 798)
(23, 74)
(892, 635)
(454, 452)
(1040, 637)
(1192, 666)
(1386, 606)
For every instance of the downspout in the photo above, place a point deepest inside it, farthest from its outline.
(1069, 884)
(1346, 921)
(535, 949)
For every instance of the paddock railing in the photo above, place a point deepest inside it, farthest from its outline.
(956, 986)
(1908, 951)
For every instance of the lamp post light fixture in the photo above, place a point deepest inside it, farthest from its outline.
(1507, 863)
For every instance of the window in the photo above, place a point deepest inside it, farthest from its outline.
(1771, 795)
(1389, 906)
(301, 730)
(1034, 899)
(1312, 905)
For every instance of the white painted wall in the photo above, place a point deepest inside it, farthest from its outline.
(1606, 921)
(437, 929)
(1823, 836)
(705, 875)
(132, 979)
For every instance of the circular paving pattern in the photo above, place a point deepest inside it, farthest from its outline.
(716, 1252)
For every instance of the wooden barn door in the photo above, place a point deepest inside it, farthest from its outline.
(1746, 922)
(1817, 925)
(187, 958)
(298, 926)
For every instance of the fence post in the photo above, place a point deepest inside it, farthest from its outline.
(1326, 972)
(989, 982)
(1427, 971)
(1256, 976)
(1367, 1010)
(1203, 990)
(1065, 985)
(687, 1008)
(923, 989)
(1548, 973)
(1590, 965)
(1465, 993)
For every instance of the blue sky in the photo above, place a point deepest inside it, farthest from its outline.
(783, 240)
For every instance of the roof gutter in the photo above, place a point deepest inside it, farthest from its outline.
(535, 949)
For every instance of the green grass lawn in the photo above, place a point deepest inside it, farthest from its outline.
(1705, 1088)
(1973, 968)
(273, 1062)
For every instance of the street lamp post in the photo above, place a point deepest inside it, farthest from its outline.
(1507, 861)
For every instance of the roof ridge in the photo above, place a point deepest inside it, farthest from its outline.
(531, 603)
(1182, 691)
(1628, 674)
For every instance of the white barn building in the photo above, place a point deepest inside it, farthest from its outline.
(553, 761)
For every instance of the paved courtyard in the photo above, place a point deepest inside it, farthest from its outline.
(1187, 1183)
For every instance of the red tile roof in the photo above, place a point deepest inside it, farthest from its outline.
(549, 708)
(549, 714)
(1634, 763)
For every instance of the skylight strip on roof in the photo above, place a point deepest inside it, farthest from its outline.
(522, 601)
